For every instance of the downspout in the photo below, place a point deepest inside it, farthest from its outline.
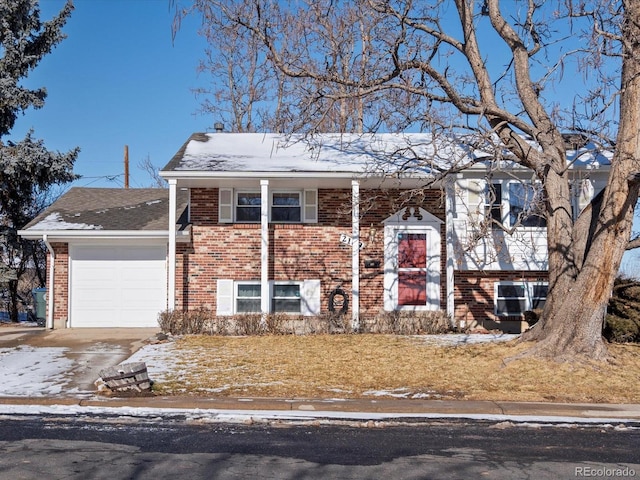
(450, 260)
(52, 256)
(264, 248)
(355, 255)
(171, 264)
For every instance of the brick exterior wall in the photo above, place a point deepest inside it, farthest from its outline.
(60, 284)
(307, 251)
(296, 251)
(474, 302)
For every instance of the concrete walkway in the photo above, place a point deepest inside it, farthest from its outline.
(117, 345)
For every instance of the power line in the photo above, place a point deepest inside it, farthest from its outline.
(110, 178)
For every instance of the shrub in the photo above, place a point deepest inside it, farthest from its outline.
(409, 323)
(248, 324)
(202, 321)
(184, 322)
(621, 330)
(622, 323)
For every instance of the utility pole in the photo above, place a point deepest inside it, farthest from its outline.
(126, 166)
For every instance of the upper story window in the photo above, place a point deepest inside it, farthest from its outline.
(515, 204)
(247, 206)
(285, 206)
(525, 205)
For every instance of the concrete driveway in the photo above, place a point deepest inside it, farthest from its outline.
(86, 351)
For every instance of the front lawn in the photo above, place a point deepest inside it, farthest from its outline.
(368, 366)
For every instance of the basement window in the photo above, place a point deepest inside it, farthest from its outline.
(515, 298)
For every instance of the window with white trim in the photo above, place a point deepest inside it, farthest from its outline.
(285, 206)
(248, 206)
(286, 298)
(515, 203)
(294, 297)
(247, 298)
(515, 298)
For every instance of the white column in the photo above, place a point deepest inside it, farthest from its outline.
(450, 199)
(264, 249)
(52, 276)
(171, 264)
(355, 254)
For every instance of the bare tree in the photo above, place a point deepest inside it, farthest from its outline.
(154, 173)
(517, 75)
(249, 94)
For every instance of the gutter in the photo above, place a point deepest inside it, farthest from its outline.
(94, 234)
(49, 324)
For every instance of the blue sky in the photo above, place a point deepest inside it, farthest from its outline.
(117, 79)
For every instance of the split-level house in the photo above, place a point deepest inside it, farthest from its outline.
(264, 223)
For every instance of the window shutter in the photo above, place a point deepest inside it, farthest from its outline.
(310, 298)
(475, 198)
(311, 206)
(224, 297)
(225, 205)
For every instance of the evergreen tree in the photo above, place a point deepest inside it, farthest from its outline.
(28, 171)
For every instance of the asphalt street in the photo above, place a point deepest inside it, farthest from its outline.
(82, 447)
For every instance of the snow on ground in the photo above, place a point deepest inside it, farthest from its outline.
(161, 359)
(248, 417)
(27, 371)
(456, 340)
(30, 371)
(45, 371)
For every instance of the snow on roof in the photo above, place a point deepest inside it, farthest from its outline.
(54, 221)
(589, 156)
(345, 153)
(358, 154)
(108, 209)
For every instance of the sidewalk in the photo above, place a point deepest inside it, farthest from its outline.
(89, 350)
(383, 409)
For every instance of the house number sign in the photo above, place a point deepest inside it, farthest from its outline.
(347, 240)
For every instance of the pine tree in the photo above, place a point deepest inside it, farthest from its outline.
(28, 171)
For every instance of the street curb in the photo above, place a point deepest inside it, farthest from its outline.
(356, 408)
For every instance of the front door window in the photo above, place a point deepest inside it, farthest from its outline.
(412, 269)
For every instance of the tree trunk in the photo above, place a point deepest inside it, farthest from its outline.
(13, 300)
(581, 277)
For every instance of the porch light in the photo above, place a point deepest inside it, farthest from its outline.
(372, 233)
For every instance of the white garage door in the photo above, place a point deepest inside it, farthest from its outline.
(117, 286)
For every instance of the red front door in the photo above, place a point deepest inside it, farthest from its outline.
(412, 269)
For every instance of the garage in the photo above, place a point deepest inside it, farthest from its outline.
(117, 285)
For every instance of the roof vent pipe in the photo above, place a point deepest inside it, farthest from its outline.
(218, 127)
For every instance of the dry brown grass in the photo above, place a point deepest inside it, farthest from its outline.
(362, 366)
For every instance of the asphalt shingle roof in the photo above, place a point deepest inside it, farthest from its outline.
(83, 208)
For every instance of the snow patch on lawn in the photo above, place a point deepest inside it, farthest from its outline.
(460, 339)
(44, 371)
